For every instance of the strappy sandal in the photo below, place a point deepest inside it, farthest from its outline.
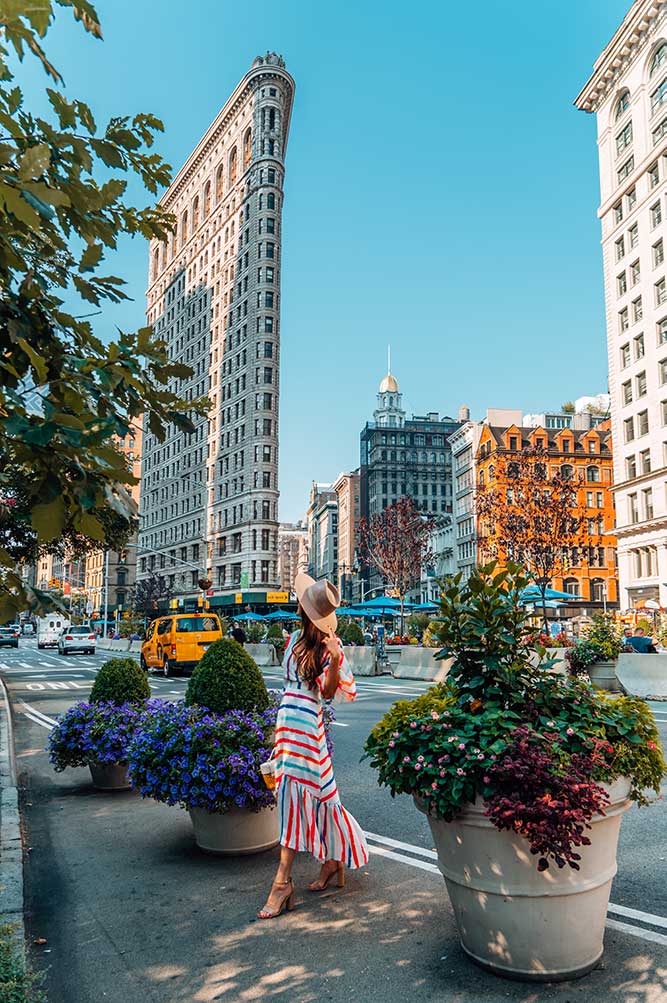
(321, 883)
(287, 902)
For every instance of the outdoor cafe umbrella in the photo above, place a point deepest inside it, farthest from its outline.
(533, 592)
(279, 615)
(248, 616)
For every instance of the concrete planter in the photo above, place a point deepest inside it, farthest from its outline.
(603, 675)
(110, 776)
(517, 921)
(235, 833)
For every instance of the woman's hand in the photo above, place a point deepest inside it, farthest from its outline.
(331, 644)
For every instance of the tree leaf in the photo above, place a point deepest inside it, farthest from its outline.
(91, 257)
(34, 162)
(48, 519)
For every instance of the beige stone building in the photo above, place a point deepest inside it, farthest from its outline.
(209, 499)
(346, 487)
(627, 93)
(292, 552)
(322, 517)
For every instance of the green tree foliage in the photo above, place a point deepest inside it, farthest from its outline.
(65, 391)
(146, 593)
(119, 681)
(226, 678)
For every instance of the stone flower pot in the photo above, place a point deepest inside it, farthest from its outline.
(515, 920)
(236, 832)
(110, 776)
(603, 675)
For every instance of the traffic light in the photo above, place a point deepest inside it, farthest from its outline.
(123, 557)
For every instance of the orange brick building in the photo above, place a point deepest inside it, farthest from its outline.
(585, 457)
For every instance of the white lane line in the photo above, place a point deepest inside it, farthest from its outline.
(635, 931)
(340, 724)
(396, 844)
(412, 861)
(618, 910)
(644, 917)
(38, 713)
(36, 720)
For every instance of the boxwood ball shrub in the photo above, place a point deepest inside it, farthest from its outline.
(119, 681)
(227, 678)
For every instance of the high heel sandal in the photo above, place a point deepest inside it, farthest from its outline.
(287, 902)
(322, 883)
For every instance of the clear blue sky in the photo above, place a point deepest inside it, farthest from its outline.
(441, 194)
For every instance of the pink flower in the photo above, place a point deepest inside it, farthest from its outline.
(406, 759)
(443, 773)
(392, 744)
(418, 766)
(569, 731)
(420, 759)
(481, 755)
(487, 780)
(395, 734)
(452, 738)
(435, 715)
(462, 745)
(551, 724)
(434, 786)
(413, 724)
(460, 771)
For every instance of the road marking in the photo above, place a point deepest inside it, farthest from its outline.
(36, 720)
(644, 917)
(340, 724)
(38, 713)
(618, 910)
(635, 931)
(398, 845)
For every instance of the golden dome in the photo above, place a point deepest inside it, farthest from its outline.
(389, 385)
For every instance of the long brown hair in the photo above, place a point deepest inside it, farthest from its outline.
(310, 651)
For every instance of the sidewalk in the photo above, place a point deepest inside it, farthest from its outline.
(11, 851)
(132, 911)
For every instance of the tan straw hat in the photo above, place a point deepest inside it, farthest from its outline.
(319, 601)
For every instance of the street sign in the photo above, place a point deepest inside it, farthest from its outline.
(89, 607)
(277, 597)
(209, 592)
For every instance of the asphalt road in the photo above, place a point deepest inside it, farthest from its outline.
(130, 910)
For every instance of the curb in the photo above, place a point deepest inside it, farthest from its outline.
(11, 848)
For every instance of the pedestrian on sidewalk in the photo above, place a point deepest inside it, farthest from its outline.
(312, 818)
(239, 635)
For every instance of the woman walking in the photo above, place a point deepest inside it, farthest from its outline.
(312, 818)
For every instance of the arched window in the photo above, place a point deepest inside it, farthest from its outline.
(272, 118)
(232, 167)
(207, 198)
(659, 59)
(567, 472)
(593, 474)
(597, 590)
(184, 228)
(571, 586)
(270, 201)
(218, 183)
(156, 262)
(622, 104)
(247, 148)
(195, 213)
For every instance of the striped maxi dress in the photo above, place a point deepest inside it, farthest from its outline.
(312, 818)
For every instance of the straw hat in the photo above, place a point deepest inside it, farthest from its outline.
(319, 601)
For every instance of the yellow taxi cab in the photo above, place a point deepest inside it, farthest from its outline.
(175, 643)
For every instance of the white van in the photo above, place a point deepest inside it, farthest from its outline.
(49, 629)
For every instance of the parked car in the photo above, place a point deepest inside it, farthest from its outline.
(49, 629)
(81, 638)
(28, 629)
(176, 643)
(9, 635)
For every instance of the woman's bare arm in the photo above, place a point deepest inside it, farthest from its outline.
(333, 674)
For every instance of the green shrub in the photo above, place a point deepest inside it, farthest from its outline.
(254, 632)
(227, 678)
(275, 637)
(430, 638)
(353, 634)
(418, 623)
(17, 984)
(119, 681)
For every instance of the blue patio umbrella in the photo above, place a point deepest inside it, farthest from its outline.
(424, 607)
(533, 592)
(353, 611)
(280, 615)
(248, 616)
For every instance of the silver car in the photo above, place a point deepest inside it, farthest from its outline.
(77, 639)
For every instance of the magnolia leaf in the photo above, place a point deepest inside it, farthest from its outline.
(34, 162)
(48, 519)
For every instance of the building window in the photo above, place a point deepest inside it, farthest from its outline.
(659, 96)
(195, 213)
(653, 176)
(635, 273)
(624, 139)
(630, 467)
(662, 371)
(247, 148)
(641, 384)
(656, 215)
(625, 356)
(645, 461)
(625, 170)
(571, 586)
(638, 342)
(623, 321)
(618, 212)
(626, 392)
(621, 284)
(633, 233)
(628, 430)
(659, 59)
(659, 131)
(637, 312)
(631, 197)
(233, 167)
(647, 503)
(633, 509)
(658, 253)
(662, 331)
(620, 248)
(642, 423)
(660, 292)
(593, 475)
(622, 104)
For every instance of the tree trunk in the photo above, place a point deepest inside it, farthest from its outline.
(543, 591)
(402, 615)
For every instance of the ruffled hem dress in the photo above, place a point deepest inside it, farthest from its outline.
(312, 818)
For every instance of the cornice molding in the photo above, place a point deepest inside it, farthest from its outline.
(620, 52)
(641, 528)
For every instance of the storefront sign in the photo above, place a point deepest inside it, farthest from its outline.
(277, 597)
